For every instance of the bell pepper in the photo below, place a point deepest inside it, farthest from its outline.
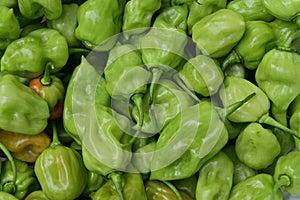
(32, 27)
(7, 196)
(215, 178)
(52, 90)
(33, 9)
(237, 70)
(216, 34)
(59, 169)
(25, 147)
(21, 110)
(259, 186)
(294, 120)
(66, 23)
(257, 147)
(9, 3)
(26, 181)
(250, 9)
(94, 182)
(187, 185)
(286, 174)
(103, 19)
(37, 195)
(257, 38)
(28, 56)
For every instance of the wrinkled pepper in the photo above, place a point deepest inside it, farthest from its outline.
(257, 146)
(29, 115)
(29, 55)
(59, 169)
(103, 19)
(216, 34)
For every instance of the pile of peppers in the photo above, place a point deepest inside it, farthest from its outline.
(149, 99)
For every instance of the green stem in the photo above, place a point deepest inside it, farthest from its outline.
(174, 189)
(266, 119)
(156, 74)
(55, 139)
(117, 181)
(78, 50)
(231, 59)
(46, 79)
(283, 180)
(10, 186)
(185, 88)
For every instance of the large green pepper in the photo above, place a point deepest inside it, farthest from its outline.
(67, 23)
(29, 55)
(286, 174)
(26, 181)
(22, 110)
(34, 9)
(98, 22)
(250, 9)
(60, 171)
(215, 178)
(257, 146)
(257, 38)
(216, 34)
(259, 186)
(9, 27)
(159, 51)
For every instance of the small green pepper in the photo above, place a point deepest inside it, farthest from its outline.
(238, 70)
(215, 178)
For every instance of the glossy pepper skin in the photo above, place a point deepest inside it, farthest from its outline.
(37, 195)
(30, 114)
(66, 23)
(9, 3)
(281, 9)
(215, 178)
(94, 182)
(103, 19)
(34, 9)
(294, 120)
(28, 56)
(9, 27)
(286, 174)
(25, 181)
(256, 146)
(217, 40)
(256, 39)
(250, 9)
(7, 196)
(59, 169)
(259, 186)
(187, 185)
(25, 147)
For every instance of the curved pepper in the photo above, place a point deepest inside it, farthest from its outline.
(103, 19)
(29, 55)
(237, 70)
(216, 34)
(25, 147)
(215, 178)
(22, 110)
(59, 169)
(256, 146)
(9, 3)
(34, 9)
(7, 196)
(37, 195)
(259, 186)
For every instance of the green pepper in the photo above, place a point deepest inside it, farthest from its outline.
(294, 120)
(7, 196)
(9, 3)
(138, 15)
(241, 171)
(259, 186)
(217, 33)
(26, 181)
(286, 174)
(98, 21)
(256, 39)
(9, 27)
(66, 23)
(159, 51)
(233, 129)
(37, 195)
(250, 9)
(257, 146)
(29, 55)
(59, 169)
(32, 27)
(141, 158)
(30, 113)
(237, 70)
(201, 8)
(215, 178)
(187, 185)
(94, 182)
(34, 9)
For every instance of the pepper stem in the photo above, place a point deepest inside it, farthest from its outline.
(78, 50)
(174, 189)
(185, 88)
(55, 139)
(283, 180)
(46, 79)
(116, 179)
(156, 74)
(10, 186)
(232, 58)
